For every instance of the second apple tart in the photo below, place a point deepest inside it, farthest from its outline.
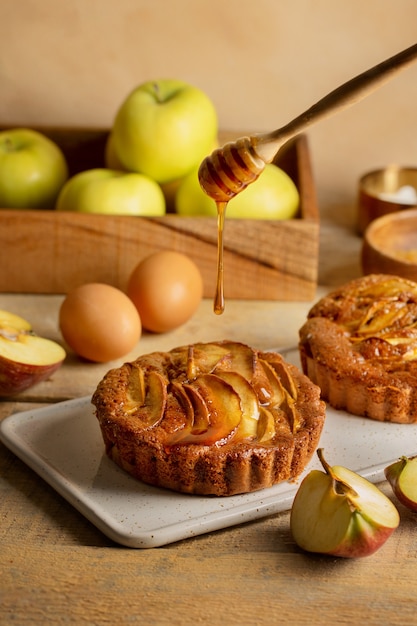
(359, 345)
(214, 418)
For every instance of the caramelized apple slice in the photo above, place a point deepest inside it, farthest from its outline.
(178, 390)
(248, 426)
(274, 392)
(380, 316)
(285, 378)
(389, 288)
(220, 403)
(136, 388)
(284, 392)
(200, 421)
(146, 396)
(266, 425)
(203, 358)
(242, 359)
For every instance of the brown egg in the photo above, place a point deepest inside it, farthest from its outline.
(99, 322)
(166, 288)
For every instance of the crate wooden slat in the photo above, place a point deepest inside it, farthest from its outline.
(49, 252)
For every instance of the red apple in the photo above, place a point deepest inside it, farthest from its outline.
(340, 513)
(25, 358)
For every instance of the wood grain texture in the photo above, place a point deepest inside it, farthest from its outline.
(57, 568)
(49, 252)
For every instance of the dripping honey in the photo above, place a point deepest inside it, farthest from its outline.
(219, 293)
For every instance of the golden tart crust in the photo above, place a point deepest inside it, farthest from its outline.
(359, 345)
(210, 418)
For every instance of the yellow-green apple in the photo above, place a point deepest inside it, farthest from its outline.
(340, 513)
(112, 192)
(402, 476)
(273, 196)
(33, 169)
(25, 358)
(170, 189)
(164, 128)
(112, 162)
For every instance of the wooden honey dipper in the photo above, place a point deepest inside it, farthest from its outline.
(231, 168)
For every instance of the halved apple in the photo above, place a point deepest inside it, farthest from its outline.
(25, 358)
(338, 512)
(402, 476)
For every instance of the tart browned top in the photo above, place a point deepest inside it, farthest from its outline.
(359, 344)
(219, 401)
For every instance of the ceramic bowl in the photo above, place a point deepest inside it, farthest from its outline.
(390, 245)
(385, 191)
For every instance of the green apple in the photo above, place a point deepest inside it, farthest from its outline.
(338, 512)
(164, 129)
(170, 189)
(273, 196)
(32, 170)
(112, 192)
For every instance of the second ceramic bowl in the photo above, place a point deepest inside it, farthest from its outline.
(385, 191)
(390, 245)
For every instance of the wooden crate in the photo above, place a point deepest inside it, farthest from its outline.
(49, 252)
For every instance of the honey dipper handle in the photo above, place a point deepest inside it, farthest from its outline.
(267, 145)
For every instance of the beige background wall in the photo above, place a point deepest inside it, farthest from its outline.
(71, 62)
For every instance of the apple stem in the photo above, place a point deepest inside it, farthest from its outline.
(9, 144)
(158, 95)
(340, 487)
(323, 461)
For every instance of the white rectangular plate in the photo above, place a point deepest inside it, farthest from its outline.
(63, 444)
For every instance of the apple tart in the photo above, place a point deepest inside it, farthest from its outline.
(359, 345)
(210, 418)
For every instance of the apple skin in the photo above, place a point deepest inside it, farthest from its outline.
(164, 129)
(17, 377)
(33, 170)
(112, 192)
(25, 358)
(402, 476)
(273, 196)
(339, 513)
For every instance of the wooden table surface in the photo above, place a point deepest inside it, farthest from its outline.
(57, 568)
